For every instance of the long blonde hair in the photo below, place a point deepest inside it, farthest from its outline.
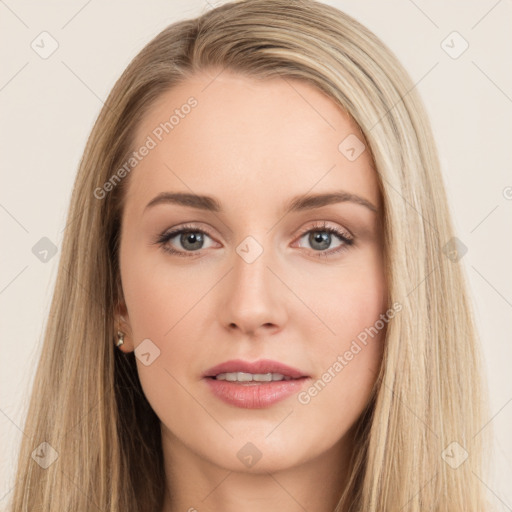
(87, 405)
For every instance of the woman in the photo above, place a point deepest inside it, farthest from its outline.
(259, 225)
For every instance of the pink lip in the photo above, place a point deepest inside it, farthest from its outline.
(261, 366)
(254, 395)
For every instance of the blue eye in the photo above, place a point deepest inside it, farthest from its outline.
(321, 238)
(192, 240)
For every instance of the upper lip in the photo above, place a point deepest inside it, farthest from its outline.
(260, 366)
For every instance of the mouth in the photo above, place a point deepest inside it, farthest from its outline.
(254, 385)
(252, 378)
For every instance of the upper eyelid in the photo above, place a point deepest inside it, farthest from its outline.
(326, 226)
(317, 225)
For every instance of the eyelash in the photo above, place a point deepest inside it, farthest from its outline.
(164, 237)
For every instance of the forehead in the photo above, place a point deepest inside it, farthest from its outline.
(249, 140)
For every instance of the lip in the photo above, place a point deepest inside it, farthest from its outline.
(253, 395)
(260, 366)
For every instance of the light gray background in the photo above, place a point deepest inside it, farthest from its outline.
(49, 106)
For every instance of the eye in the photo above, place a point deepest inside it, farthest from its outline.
(320, 238)
(189, 237)
(192, 239)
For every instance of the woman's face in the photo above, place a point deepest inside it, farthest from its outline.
(262, 273)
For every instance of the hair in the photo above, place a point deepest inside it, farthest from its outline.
(87, 402)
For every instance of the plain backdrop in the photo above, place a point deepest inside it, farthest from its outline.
(49, 105)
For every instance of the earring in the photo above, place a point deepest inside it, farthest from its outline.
(120, 338)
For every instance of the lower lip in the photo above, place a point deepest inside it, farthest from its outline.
(255, 396)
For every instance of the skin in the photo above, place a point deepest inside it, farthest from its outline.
(252, 145)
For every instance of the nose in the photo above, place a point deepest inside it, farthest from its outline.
(254, 297)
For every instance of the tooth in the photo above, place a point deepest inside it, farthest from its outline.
(262, 377)
(250, 377)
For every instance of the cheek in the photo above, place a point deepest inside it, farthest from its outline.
(350, 298)
(166, 304)
(157, 296)
(161, 304)
(347, 367)
(349, 356)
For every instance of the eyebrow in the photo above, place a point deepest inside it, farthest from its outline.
(299, 203)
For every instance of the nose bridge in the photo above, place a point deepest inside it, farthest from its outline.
(250, 266)
(254, 294)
